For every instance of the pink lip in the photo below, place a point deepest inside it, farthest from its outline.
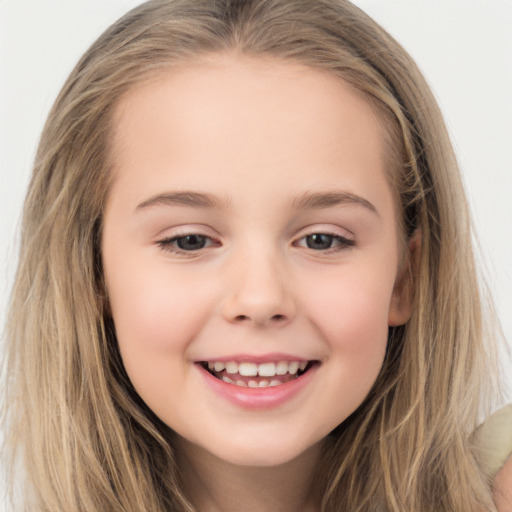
(246, 358)
(257, 398)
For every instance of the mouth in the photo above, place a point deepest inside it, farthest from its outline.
(253, 375)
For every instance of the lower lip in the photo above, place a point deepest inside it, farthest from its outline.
(268, 397)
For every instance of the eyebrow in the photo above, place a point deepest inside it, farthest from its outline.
(319, 200)
(307, 201)
(190, 199)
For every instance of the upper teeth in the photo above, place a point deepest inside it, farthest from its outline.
(262, 370)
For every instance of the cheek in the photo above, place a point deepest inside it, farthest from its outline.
(351, 314)
(351, 309)
(156, 314)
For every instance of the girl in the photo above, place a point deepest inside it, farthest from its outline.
(246, 279)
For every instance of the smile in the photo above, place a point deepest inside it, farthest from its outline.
(253, 375)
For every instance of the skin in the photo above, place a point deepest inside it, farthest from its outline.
(256, 135)
(503, 488)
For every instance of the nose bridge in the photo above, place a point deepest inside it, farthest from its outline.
(259, 289)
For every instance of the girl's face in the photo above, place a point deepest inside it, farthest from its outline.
(251, 254)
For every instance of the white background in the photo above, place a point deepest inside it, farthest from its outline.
(464, 47)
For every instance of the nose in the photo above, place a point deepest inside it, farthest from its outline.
(259, 293)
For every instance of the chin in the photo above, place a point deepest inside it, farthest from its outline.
(261, 453)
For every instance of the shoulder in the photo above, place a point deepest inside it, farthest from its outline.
(494, 442)
(503, 487)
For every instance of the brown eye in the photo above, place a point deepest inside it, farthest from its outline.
(319, 241)
(191, 242)
(326, 242)
(187, 244)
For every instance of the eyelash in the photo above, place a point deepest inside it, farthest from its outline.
(343, 243)
(170, 244)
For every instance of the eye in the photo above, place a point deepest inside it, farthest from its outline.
(325, 242)
(191, 242)
(186, 243)
(319, 241)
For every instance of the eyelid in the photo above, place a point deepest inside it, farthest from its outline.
(345, 242)
(166, 243)
(326, 229)
(184, 229)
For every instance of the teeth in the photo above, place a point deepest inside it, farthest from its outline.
(231, 367)
(293, 367)
(281, 368)
(219, 366)
(270, 369)
(264, 383)
(248, 369)
(267, 370)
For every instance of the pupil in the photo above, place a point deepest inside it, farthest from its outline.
(191, 242)
(319, 241)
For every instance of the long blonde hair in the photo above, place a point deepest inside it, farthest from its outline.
(85, 439)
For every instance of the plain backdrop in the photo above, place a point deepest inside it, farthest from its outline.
(464, 47)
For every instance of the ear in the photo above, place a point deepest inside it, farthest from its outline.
(402, 298)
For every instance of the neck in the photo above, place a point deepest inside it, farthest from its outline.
(214, 485)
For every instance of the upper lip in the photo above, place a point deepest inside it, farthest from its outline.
(257, 359)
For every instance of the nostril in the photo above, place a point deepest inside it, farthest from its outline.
(243, 318)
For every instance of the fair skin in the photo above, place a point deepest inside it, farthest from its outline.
(503, 487)
(251, 226)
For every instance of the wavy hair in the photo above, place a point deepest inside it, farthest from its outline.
(85, 439)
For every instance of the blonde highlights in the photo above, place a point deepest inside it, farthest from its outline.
(86, 439)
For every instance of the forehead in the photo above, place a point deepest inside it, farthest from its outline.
(243, 120)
